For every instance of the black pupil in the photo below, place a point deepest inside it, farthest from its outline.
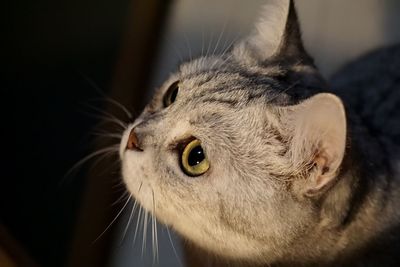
(173, 94)
(196, 156)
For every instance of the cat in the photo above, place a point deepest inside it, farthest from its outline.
(254, 157)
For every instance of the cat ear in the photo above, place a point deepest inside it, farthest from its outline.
(276, 34)
(317, 146)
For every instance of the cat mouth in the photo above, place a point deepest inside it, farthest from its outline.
(124, 142)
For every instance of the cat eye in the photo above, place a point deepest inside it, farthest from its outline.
(171, 94)
(193, 160)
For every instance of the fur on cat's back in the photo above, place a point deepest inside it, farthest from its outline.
(370, 86)
(370, 89)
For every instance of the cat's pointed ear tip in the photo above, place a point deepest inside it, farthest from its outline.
(268, 35)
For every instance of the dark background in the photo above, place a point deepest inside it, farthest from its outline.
(50, 49)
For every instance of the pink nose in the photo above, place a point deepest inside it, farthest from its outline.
(133, 142)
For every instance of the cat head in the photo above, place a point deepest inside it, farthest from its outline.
(234, 150)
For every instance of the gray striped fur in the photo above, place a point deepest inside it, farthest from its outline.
(303, 173)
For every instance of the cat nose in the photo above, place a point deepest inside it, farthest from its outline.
(133, 142)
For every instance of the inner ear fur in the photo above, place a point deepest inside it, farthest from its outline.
(318, 139)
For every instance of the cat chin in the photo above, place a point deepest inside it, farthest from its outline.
(135, 178)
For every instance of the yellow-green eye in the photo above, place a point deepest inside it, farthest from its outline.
(194, 161)
(171, 94)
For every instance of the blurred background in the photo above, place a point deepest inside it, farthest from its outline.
(61, 61)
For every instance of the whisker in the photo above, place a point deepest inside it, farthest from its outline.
(120, 184)
(223, 54)
(188, 46)
(144, 236)
(117, 104)
(226, 50)
(92, 84)
(124, 195)
(108, 115)
(155, 224)
(223, 62)
(112, 222)
(103, 94)
(202, 40)
(137, 223)
(209, 44)
(102, 157)
(176, 50)
(114, 148)
(139, 215)
(231, 43)
(173, 247)
(152, 237)
(154, 230)
(129, 220)
(109, 135)
(284, 90)
(103, 119)
(220, 36)
(157, 253)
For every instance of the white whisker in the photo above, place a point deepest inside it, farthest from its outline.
(176, 50)
(152, 237)
(124, 195)
(137, 223)
(220, 37)
(139, 214)
(231, 43)
(226, 50)
(209, 44)
(154, 225)
(173, 247)
(129, 220)
(284, 90)
(120, 185)
(102, 157)
(188, 46)
(108, 116)
(106, 119)
(144, 236)
(223, 62)
(109, 135)
(112, 222)
(107, 98)
(114, 148)
(202, 40)
(92, 84)
(122, 107)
